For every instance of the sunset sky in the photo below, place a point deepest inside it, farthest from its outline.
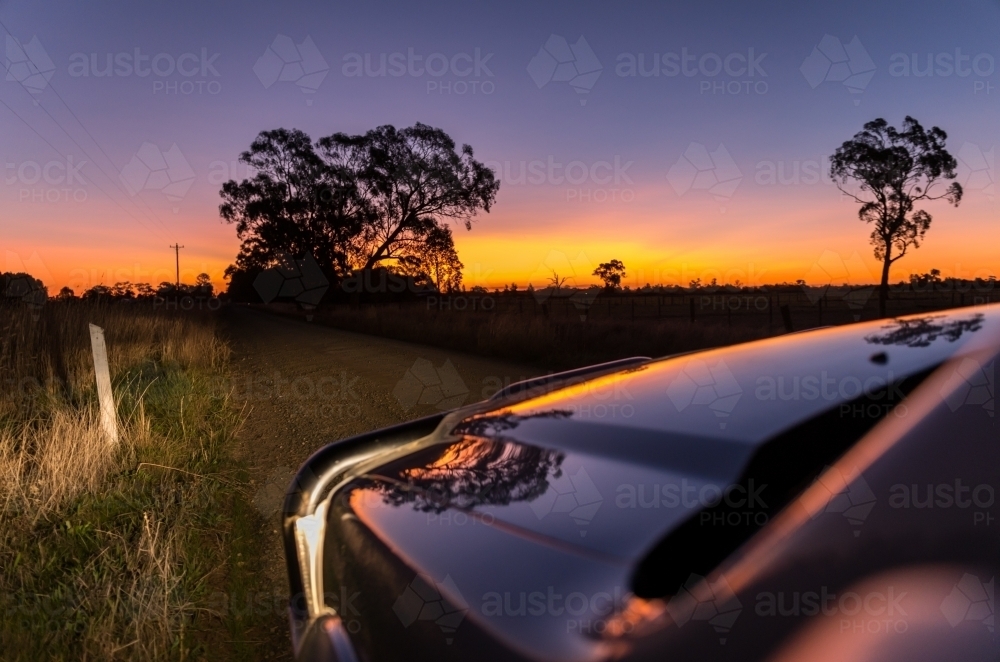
(614, 164)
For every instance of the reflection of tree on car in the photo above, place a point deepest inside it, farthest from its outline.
(922, 331)
(474, 472)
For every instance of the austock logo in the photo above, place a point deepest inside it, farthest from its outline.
(301, 280)
(833, 61)
(975, 499)
(424, 384)
(576, 495)
(597, 181)
(971, 384)
(977, 169)
(944, 64)
(701, 599)
(469, 72)
(286, 61)
(698, 169)
(27, 289)
(196, 70)
(423, 600)
(28, 64)
(824, 274)
(713, 386)
(693, 495)
(971, 600)
(797, 172)
(745, 73)
(152, 169)
(269, 497)
(584, 613)
(58, 180)
(558, 61)
(848, 494)
(566, 278)
(878, 611)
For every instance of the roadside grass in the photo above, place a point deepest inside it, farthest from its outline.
(119, 553)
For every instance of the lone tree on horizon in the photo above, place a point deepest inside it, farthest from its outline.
(894, 171)
(611, 273)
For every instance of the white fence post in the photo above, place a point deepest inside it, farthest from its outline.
(109, 418)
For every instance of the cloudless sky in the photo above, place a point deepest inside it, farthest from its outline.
(718, 172)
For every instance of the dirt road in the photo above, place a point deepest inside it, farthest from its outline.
(305, 386)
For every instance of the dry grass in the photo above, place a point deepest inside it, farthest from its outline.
(45, 354)
(103, 554)
(44, 465)
(51, 445)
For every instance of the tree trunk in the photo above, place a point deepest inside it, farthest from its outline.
(883, 290)
(379, 254)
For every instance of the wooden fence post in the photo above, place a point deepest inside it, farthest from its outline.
(105, 396)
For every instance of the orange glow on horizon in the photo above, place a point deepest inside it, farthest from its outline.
(662, 238)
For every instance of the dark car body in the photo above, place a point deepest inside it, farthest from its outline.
(821, 494)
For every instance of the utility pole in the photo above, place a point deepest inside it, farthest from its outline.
(177, 261)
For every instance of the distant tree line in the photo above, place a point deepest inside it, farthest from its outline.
(126, 291)
(22, 287)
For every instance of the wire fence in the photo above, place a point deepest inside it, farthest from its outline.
(786, 309)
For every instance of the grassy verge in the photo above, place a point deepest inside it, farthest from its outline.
(119, 553)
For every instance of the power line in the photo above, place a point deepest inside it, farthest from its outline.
(89, 135)
(60, 153)
(112, 179)
(177, 260)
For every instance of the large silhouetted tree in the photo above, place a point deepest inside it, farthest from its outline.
(358, 202)
(294, 203)
(411, 181)
(894, 171)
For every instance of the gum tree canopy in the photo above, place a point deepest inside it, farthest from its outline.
(409, 181)
(358, 202)
(293, 203)
(893, 171)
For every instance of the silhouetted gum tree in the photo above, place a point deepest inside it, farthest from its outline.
(894, 171)
(294, 203)
(409, 181)
(611, 273)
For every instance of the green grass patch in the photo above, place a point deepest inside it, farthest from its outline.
(135, 568)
